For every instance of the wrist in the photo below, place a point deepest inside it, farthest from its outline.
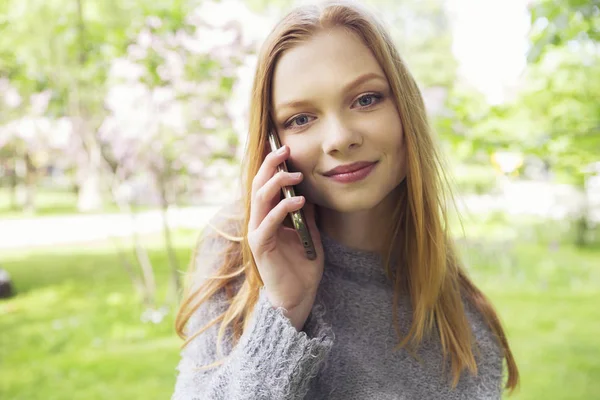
(299, 314)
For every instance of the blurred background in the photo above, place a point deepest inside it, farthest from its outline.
(122, 124)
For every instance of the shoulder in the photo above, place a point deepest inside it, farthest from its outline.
(226, 221)
(216, 252)
(222, 229)
(218, 240)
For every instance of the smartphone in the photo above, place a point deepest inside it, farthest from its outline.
(297, 217)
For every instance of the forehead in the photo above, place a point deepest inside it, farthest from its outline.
(327, 61)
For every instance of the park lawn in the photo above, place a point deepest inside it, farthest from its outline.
(48, 201)
(549, 301)
(54, 202)
(74, 330)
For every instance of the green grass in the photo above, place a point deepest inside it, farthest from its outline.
(549, 301)
(47, 202)
(54, 202)
(74, 329)
(547, 293)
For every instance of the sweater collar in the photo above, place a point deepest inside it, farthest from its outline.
(353, 264)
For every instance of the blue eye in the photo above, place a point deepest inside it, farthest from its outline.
(375, 97)
(304, 119)
(301, 118)
(297, 119)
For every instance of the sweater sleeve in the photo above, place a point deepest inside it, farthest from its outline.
(272, 360)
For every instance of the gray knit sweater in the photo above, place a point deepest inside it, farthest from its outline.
(345, 351)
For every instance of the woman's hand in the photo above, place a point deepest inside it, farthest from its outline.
(291, 280)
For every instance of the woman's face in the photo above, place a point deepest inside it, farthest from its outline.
(343, 113)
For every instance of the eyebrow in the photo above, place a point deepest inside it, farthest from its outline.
(349, 86)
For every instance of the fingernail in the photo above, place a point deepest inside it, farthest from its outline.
(297, 174)
(281, 150)
(298, 199)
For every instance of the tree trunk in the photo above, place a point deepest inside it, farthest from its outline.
(174, 283)
(149, 282)
(14, 201)
(24, 191)
(581, 223)
(136, 281)
(89, 197)
(146, 265)
(581, 231)
(30, 181)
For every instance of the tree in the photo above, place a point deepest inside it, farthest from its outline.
(166, 110)
(65, 47)
(144, 87)
(563, 86)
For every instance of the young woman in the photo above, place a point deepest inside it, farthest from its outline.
(386, 311)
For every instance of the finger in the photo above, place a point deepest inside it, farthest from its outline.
(264, 174)
(274, 185)
(268, 167)
(270, 224)
(266, 196)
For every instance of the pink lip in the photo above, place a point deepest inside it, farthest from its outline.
(342, 169)
(353, 175)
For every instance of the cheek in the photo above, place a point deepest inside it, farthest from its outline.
(304, 157)
(396, 134)
(301, 161)
(389, 134)
(394, 141)
(301, 158)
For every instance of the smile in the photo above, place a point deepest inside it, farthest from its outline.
(354, 176)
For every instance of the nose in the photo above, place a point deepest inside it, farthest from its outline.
(340, 137)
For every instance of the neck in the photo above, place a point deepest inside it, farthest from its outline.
(361, 230)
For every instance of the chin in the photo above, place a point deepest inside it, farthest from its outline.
(350, 203)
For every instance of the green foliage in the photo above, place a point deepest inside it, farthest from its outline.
(475, 178)
(563, 84)
(82, 52)
(421, 30)
(556, 23)
(555, 114)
